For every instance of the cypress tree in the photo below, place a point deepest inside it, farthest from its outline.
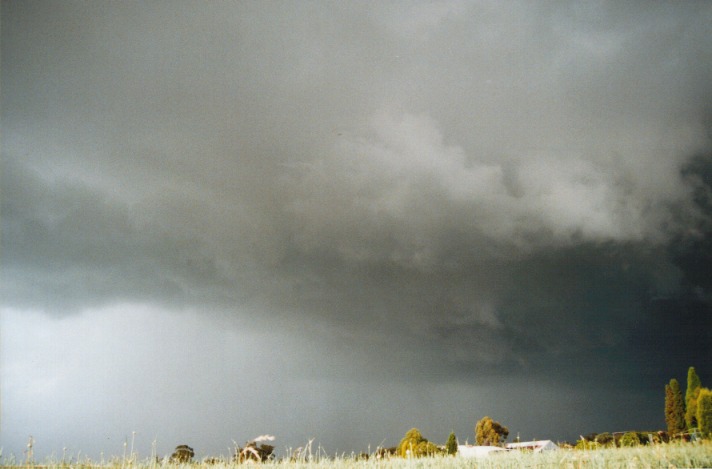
(693, 383)
(451, 445)
(693, 389)
(674, 408)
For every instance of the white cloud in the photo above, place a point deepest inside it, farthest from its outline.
(398, 179)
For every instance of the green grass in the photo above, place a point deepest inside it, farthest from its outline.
(676, 455)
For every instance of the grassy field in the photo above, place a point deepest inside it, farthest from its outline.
(656, 456)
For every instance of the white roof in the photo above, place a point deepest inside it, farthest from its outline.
(539, 445)
(470, 451)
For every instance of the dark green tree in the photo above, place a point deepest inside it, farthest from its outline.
(693, 388)
(490, 433)
(674, 408)
(704, 411)
(451, 445)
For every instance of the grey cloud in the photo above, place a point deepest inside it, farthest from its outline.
(194, 176)
(409, 192)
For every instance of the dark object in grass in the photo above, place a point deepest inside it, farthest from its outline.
(182, 454)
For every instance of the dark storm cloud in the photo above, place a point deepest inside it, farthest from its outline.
(185, 171)
(432, 192)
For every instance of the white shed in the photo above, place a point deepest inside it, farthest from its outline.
(536, 446)
(470, 451)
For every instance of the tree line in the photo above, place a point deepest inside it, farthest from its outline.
(691, 413)
(487, 433)
(684, 415)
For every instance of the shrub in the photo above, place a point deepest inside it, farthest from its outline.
(644, 437)
(585, 444)
(385, 453)
(605, 439)
(182, 454)
(252, 452)
(704, 412)
(630, 439)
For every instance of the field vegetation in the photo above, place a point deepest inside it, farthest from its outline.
(664, 455)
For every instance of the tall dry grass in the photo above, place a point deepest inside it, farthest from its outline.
(674, 455)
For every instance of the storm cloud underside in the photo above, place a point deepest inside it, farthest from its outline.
(361, 217)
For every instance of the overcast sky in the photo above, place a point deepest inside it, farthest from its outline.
(341, 220)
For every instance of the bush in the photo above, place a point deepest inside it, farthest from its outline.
(644, 437)
(605, 439)
(630, 439)
(386, 453)
(252, 452)
(182, 454)
(585, 444)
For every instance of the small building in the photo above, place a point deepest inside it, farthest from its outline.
(535, 446)
(471, 451)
